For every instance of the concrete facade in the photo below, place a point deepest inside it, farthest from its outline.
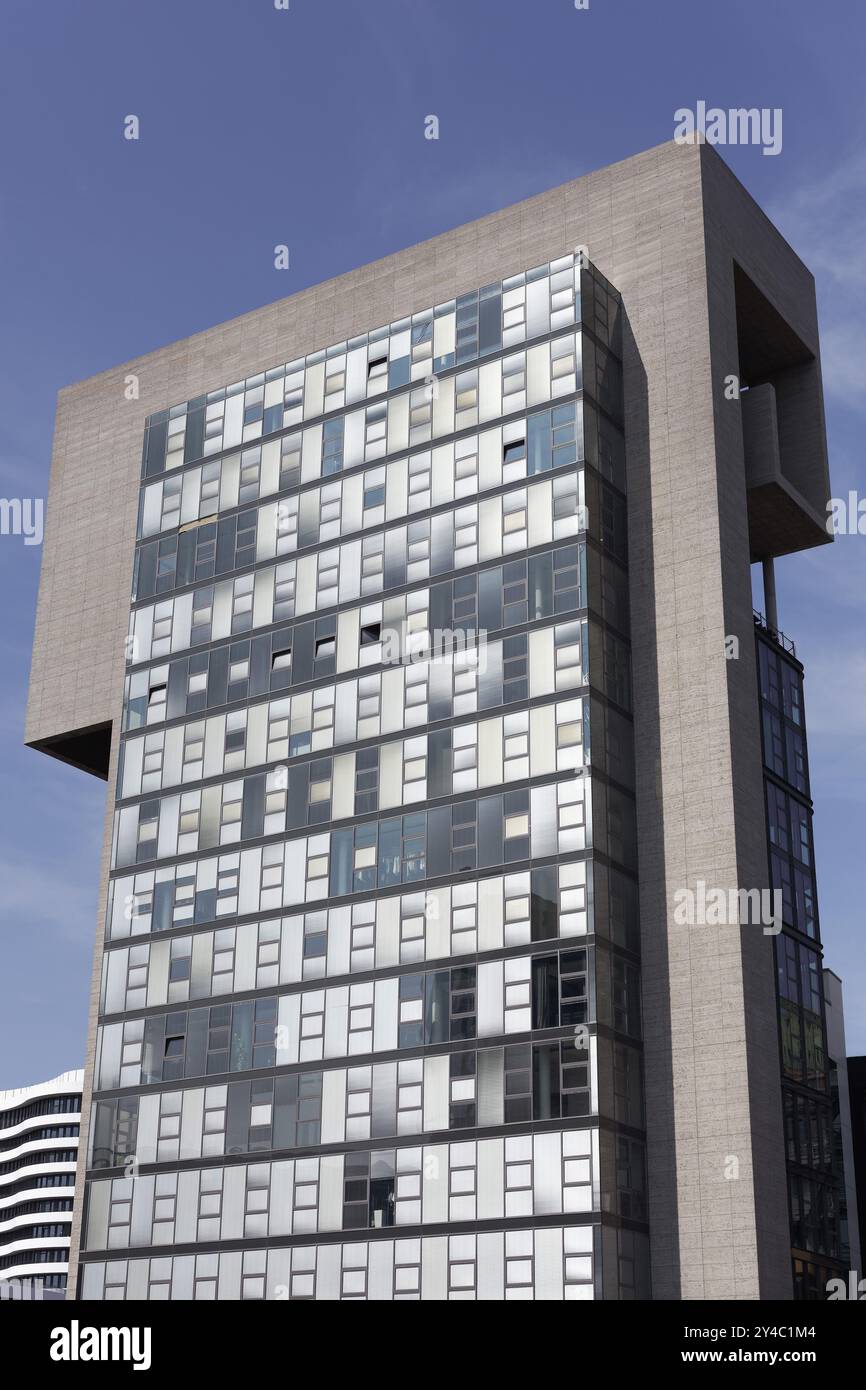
(666, 228)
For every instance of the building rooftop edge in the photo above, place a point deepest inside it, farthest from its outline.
(66, 1081)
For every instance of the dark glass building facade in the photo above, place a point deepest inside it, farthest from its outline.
(814, 1190)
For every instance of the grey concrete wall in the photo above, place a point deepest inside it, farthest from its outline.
(736, 230)
(658, 227)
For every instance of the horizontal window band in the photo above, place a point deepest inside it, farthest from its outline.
(578, 327)
(578, 537)
(371, 895)
(411, 451)
(358, 818)
(382, 531)
(585, 613)
(336, 750)
(471, 1134)
(358, 1236)
(551, 945)
(350, 605)
(561, 1033)
(410, 885)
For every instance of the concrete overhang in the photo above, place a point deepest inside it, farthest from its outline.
(784, 442)
(781, 519)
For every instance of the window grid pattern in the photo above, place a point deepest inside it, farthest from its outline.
(372, 882)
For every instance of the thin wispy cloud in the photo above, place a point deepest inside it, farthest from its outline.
(44, 898)
(825, 221)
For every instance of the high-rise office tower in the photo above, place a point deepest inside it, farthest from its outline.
(39, 1132)
(438, 692)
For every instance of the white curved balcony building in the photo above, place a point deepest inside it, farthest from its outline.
(39, 1128)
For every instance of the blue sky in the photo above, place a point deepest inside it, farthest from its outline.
(305, 127)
